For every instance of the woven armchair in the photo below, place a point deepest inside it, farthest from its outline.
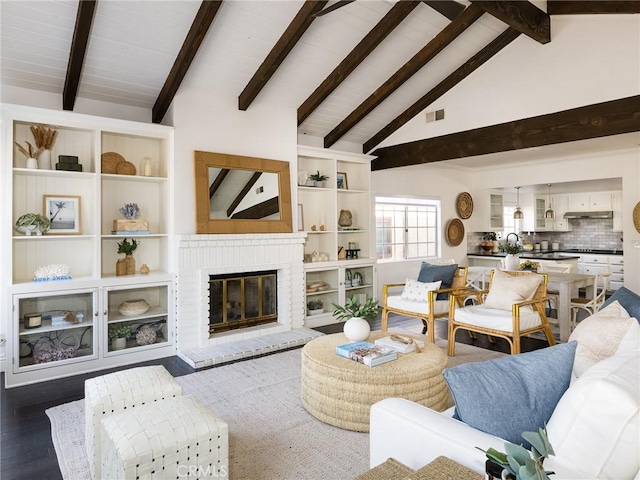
(427, 310)
(510, 325)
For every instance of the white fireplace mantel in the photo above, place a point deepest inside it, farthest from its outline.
(199, 256)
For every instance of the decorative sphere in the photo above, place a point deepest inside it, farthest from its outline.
(356, 329)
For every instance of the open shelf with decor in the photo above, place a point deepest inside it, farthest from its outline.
(73, 201)
(337, 219)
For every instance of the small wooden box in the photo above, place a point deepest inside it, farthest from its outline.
(124, 225)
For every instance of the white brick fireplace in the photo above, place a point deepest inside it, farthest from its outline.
(199, 256)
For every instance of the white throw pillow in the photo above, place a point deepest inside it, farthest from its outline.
(600, 335)
(509, 289)
(417, 291)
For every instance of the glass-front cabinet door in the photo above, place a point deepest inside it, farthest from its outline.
(54, 328)
(136, 317)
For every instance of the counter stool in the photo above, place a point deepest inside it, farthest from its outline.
(115, 392)
(174, 438)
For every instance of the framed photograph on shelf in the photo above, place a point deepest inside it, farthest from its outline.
(342, 181)
(63, 211)
(300, 218)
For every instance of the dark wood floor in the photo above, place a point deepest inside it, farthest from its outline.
(26, 449)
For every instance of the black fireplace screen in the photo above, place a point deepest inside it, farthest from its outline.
(242, 300)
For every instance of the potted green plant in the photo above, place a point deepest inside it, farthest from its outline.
(357, 328)
(318, 179)
(521, 464)
(32, 222)
(512, 260)
(118, 334)
(315, 306)
(127, 266)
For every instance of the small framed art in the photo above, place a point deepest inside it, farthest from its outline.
(342, 181)
(63, 211)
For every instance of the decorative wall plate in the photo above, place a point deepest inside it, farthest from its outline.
(454, 232)
(464, 205)
(636, 217)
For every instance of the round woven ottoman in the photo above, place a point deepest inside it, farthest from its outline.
(340, 392)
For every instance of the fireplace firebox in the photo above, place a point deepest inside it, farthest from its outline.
(242, 300)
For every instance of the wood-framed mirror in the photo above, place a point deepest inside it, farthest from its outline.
(237, 194)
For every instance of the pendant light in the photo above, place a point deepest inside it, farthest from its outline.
(517, 214)
(549, 213)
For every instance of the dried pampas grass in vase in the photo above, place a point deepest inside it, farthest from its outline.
(31, 153)
(45, 138)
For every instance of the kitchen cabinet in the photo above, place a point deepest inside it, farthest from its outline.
(540, 207)
(590, 202)
(616, 203)
(560, 204)
(496, 219)
(90, 252)
(594, 264)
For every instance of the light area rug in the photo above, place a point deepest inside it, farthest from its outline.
(271, 435)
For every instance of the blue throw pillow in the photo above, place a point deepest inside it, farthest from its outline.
(435, 273)
(628, 299)
(514, 394)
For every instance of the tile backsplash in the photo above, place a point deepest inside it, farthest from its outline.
(587, 233)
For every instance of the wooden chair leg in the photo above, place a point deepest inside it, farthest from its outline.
(515, 346)
(385, 319)
(431, 333)
(451, 340)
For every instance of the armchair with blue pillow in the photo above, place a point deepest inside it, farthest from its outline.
(426, 298)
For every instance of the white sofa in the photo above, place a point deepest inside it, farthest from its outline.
(594, 429)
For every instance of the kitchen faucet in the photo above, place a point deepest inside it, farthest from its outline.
(517, 237)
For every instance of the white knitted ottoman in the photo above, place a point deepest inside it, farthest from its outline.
(174, 438)
(115, 392)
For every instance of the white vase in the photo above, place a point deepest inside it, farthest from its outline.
(512, 262)
(356, 329)
(32, 163)
(44, 160)
(118, 343)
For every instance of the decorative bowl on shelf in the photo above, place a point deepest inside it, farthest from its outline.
(130, 308)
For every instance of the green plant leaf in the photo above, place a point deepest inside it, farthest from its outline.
(517, 452)
(538, 447)
(497, 457)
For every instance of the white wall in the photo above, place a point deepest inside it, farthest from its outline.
(590, 59)
(211, 123)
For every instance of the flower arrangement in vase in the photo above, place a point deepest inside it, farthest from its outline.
(31, 153)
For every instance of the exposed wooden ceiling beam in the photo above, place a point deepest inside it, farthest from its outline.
(504, 39)
(448, 8)
(195, 37)
(592, 121)
(525, 17)
(563, 7)
(217, 182)
(79, 42)
(419, 60)
(377, 34)
(279, 52)
(335, 6)
(243, 193)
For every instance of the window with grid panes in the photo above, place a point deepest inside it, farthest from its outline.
(407, 228)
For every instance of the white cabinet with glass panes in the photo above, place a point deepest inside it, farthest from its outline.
(99, 168)
(336, 214)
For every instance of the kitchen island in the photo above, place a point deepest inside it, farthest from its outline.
(494, 260)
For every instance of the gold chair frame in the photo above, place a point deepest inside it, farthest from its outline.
(513, 338)
(457, 286)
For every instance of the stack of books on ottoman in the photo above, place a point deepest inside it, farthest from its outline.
(367, 353)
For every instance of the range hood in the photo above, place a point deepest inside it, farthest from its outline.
(599, 214)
